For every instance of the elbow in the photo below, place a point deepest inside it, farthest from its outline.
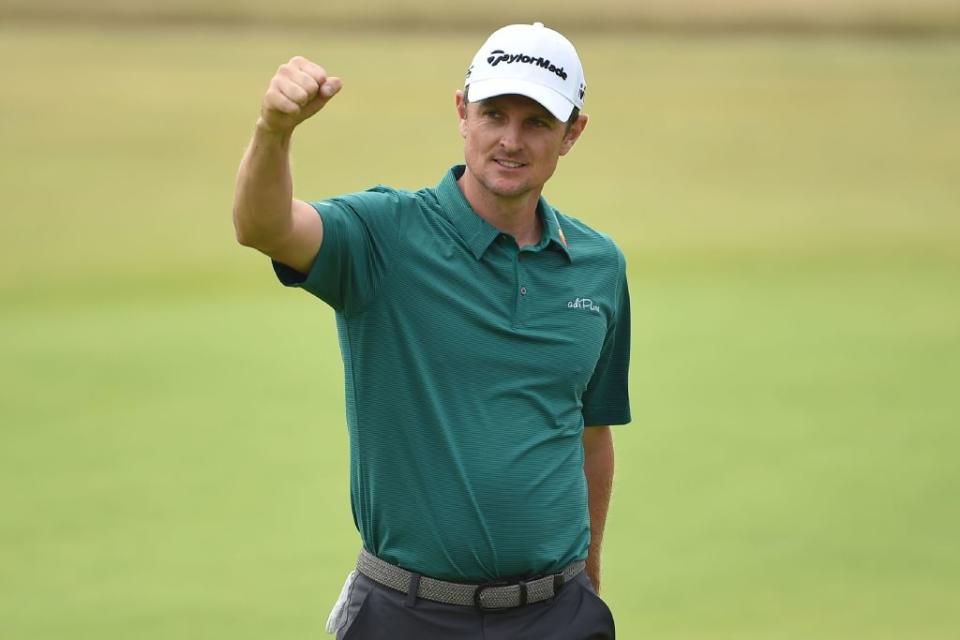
(244, 232)
(260, 230)
(239, 231)
(243, 237)
(253, 236)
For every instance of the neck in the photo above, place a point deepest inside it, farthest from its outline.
(516, 216)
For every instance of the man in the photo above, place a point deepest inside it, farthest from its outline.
(485, 339)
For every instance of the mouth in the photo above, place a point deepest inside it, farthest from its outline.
(509, 164)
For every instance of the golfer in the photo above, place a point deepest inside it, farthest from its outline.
(485, 339)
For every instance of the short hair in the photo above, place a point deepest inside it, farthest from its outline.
(570, 121)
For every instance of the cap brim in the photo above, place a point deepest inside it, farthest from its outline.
(559, 106)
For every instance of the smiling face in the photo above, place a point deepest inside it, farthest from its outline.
(512, 144)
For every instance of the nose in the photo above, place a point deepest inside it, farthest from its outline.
(510, 138)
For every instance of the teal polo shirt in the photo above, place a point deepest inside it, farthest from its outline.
(471, 369)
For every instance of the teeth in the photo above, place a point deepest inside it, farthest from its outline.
(509, 164)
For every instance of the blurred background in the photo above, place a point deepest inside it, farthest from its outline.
(784, 178)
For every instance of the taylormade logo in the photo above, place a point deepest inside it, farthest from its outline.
(498, 55)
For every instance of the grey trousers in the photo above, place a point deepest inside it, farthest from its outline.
(375, 612)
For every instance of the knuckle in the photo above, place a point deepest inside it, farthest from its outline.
(294, 91)
(284, 106)
(277, 102)
(309, 83)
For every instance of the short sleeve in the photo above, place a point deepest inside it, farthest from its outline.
(606, 400)
(360, 234)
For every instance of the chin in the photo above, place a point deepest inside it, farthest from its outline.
(510, 185)
(509, 189)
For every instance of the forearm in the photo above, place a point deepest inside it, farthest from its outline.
(598, 468)
(264, 191)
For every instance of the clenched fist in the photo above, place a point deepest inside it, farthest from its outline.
(297, 91)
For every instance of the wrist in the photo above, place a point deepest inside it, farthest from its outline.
(265, 130)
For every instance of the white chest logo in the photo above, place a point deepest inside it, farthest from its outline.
(583, 303)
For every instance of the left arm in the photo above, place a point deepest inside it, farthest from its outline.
(598, 468)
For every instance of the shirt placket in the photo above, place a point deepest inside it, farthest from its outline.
(522, 288)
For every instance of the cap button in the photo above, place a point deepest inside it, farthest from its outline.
(538, 24)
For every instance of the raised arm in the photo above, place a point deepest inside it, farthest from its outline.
(266, 216)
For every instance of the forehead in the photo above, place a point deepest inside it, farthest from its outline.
(518, 103)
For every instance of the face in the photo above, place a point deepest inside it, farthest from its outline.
(512, 143)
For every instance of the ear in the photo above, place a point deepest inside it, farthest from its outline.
(461, 111)
(571, 136)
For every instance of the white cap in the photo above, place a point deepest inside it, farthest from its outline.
(532, 61)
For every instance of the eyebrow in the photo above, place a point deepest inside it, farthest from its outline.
(497, 101)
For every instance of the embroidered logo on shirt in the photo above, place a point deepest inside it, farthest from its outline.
(583, 303)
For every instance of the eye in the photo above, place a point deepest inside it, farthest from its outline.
(540, 123)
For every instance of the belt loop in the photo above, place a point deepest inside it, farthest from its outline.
(412, 588)
(557, 582)
(523, 593)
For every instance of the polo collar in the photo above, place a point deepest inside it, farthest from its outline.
(477, 232)
(552, 229)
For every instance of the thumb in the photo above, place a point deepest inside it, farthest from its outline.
(328, 90)
(331, 87)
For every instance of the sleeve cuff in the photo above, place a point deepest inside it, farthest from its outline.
(611, 418)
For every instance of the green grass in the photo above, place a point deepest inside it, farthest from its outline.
(172, 446)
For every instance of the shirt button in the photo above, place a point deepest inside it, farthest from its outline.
(523, 291)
